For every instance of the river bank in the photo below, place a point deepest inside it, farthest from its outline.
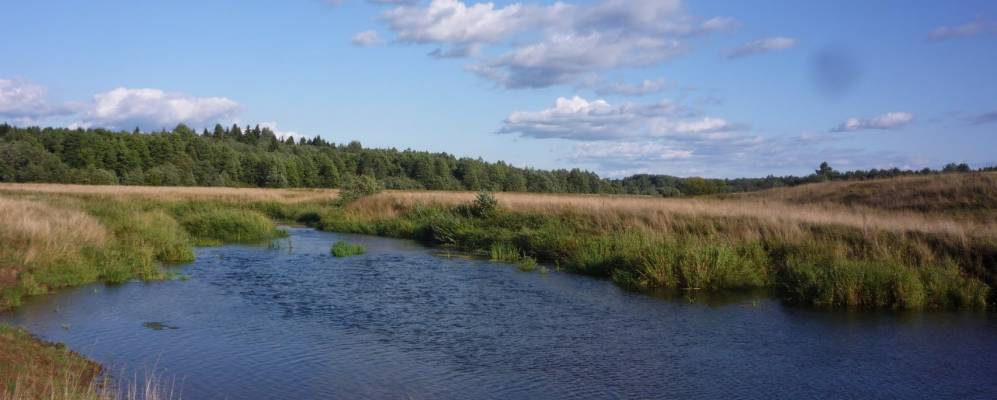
(936, 250)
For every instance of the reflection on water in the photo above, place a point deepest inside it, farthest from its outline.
(291, 321)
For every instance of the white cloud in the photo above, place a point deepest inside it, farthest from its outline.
(967, 29)
(766, 45)
(366, 38)
(893, 120)
(554, 44)
(572, 58)
(579, 119)
(24, 101)
(152, 109)
(452, 21)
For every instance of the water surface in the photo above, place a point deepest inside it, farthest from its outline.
(258, 322)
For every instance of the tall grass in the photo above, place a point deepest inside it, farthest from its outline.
(216, 226)
(822, 256)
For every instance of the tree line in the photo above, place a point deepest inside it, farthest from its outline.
(257, 157)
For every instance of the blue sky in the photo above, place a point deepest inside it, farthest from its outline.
(706, 88)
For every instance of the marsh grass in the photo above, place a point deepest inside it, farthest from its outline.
(215, 226)
(346, 249)
(827, 256)
(816, 246)
(504, 252)
(527, 264)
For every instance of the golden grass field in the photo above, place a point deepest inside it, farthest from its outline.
(656, 213)
(167, 193)
(956, 205)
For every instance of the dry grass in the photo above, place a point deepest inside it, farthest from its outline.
(956, 194)
(32, 232)
(170, 193)
(909, 204)
(658, 214)
(33, 369)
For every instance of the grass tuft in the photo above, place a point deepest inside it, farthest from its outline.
(345, 249)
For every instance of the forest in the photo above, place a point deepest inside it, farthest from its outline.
(256, 157)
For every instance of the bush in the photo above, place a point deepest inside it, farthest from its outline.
(483, 206)
(344, 249)
(360, 186)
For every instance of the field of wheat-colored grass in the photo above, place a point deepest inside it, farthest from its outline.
(173, 193)
(934, 204)
(957, 194)
(658, 213)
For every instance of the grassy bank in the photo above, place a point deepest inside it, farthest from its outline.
(32, 369)
(53, 240)
(826, 265)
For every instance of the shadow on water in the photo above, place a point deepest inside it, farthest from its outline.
(289, 320)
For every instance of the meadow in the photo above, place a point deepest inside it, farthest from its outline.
(904, 243)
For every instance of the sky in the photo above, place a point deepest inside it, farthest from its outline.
(687, 88)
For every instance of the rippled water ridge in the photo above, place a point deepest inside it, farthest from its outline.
(291, 321)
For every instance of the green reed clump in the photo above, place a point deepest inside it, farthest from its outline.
(346, 249)
(504, 252)
(823, 265)
(527, 264)
(214, 226)
(814, 275)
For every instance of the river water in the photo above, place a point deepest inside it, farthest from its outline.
(291, 321)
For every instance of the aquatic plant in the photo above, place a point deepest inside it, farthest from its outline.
(346, 249)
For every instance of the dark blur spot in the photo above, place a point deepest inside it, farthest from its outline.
(835, 71)
(158, 326)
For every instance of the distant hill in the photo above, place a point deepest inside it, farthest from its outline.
(969, 195)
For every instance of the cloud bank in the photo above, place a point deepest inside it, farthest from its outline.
(561, 43)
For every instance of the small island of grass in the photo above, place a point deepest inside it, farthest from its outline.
(346, 249)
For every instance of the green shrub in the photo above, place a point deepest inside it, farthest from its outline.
(344, 249)
(358, 187)
(483, 206)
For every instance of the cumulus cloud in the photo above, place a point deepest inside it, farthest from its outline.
(150, 109)
(554, 44)
(629, 89)
(583, 120)
(964, 30)
(766, 45)
(366, 38)
(573, 58)
(452, 21)
(893, 120)
(22, 100)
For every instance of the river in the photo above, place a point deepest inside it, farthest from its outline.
(290, 321)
